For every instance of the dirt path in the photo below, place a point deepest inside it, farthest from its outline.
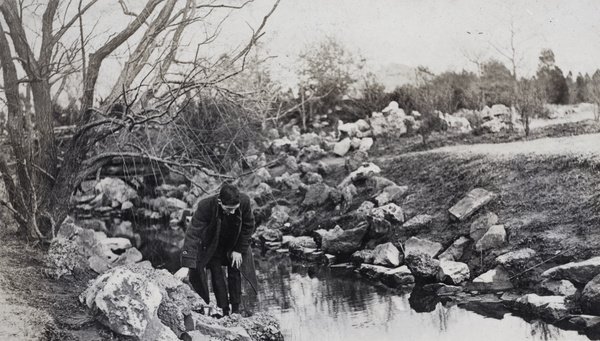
(585, 145)
(19, 319)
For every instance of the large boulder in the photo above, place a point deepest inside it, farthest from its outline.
(414, 245)
(422, 266)
(455, 124)
(456, 250)
(481, 225)
(387, 255)
(339, 242)
(493, 280)
(578, 272)
(127, 303)
(474, 200)
(493, 238)
(590, 297)
(452, 272)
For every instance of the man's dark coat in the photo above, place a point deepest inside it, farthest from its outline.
(202, 237)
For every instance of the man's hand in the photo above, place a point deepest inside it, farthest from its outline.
(182, 273)
(236, 259)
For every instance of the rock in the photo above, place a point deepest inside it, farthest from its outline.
(417, 223)
(341, 148)
(355, 160)
(339, 241)
(441, 289)
(131, 256)
(584, 322)
(116, 190)
(291, 164)
(311, 153)
(493, 238)
(362, 173)
(316, 195)
(494, 126)
(387, 255)
(494, 280)
(363, 257)
(127, 205)
(371, 271)
(302, 242)
(292, 182)
(64, 257)
(456, 250)
(348, 194)
(309, 139)
(395, 123)
(415, 245)
(364, 208)
(127, 303)
(281, 145)
(578, 272)
(391, 212)
(452, 272)
(551, 308)
(205, 330)
(398, 277)
(377, 183)
(559, 287)
(68, 229)
(516, 257)
(365, 144)
(306, 167)
(456, 124)
(313, 178)
(422, 266)
(390, 194)
(266, 234)
(481, 225)
(474, 200)
(306, 253)
(379, 124)
(354, 143)
(590, 297)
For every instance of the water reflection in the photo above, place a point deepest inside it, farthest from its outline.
(319, 303)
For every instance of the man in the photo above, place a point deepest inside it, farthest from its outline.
(219, 235)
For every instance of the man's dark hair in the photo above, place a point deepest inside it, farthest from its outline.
(229, 195)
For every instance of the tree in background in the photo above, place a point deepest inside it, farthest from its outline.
(328, 71)
(551, 79)
(497, 83)
(155, 83)
(580, 94)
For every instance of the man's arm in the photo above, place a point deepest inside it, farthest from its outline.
(194, 234)
(247, 225)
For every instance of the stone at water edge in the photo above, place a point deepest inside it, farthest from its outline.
(422, 265)
(127, 301)
(474, 200)
(579, 272)
(551, 308)
(590, 297)
(452, 272)
(494, 280)
(398, 276)
(371, 271)
(363, 256)
(339, 241)
(386, 254)
(481, 225)
(559, 287)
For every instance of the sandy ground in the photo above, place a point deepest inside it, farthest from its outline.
(19, 320)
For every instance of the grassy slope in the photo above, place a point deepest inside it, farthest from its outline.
(550, 203)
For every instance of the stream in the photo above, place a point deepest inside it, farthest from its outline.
(317, 303)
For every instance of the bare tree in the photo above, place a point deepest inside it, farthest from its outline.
(152, 87)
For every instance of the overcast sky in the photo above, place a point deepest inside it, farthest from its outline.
(438, 33)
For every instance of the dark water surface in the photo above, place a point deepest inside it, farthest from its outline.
(315, 303)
